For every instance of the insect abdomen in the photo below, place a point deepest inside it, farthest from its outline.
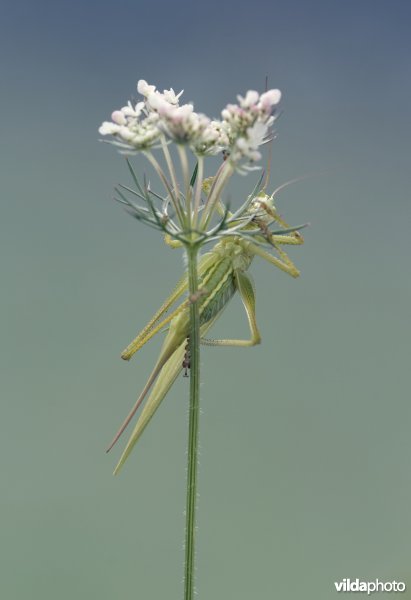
(214, 305)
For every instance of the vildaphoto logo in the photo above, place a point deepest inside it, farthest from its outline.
(356, 585)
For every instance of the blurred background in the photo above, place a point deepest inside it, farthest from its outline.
(305, 474)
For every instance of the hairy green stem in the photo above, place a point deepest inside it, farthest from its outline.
(194, 408)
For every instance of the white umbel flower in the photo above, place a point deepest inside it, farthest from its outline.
(243, 129)
(248, 124)
(212, 140)
(246, 147)
(130, 132)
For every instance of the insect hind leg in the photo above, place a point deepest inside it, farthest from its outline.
(246, 290)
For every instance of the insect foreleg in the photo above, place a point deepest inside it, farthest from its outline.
(171, 242)
(284, 263)
(293, 239)
(246, 290)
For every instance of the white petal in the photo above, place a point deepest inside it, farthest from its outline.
(257, 133)
(139, 108)
(144, 89)
(250, 99)
(118, 117)
(270, 98)
(108, 128)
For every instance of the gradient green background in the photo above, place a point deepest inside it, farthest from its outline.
(305, 474)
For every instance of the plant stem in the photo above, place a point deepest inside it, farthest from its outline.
(194, 347)
(186, 178)
(170, 166)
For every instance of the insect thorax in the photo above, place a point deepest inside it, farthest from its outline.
(236, 250)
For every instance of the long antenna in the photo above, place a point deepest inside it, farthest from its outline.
(270, 152)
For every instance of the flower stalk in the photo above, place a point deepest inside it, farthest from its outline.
(198, 189)
(170, 165)
(193, 422)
